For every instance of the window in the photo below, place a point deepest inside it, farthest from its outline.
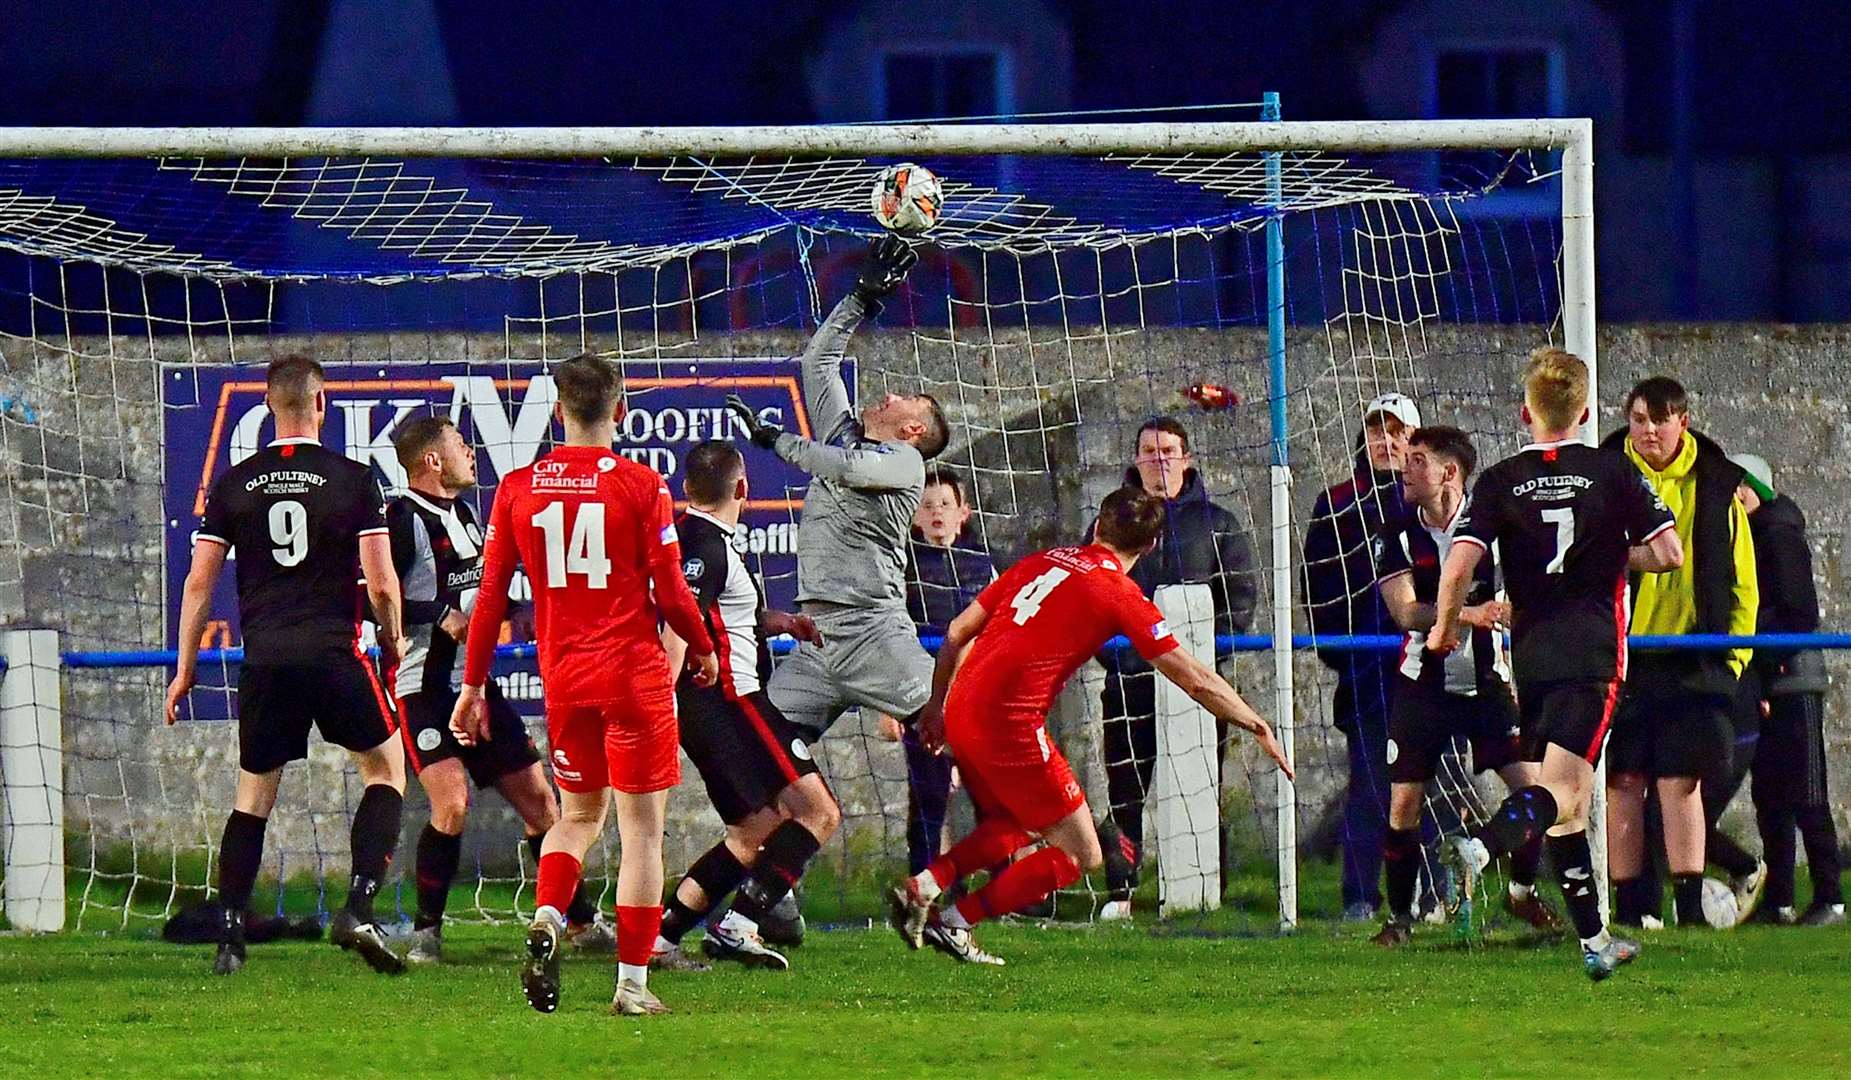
(963, 82)
(1496, 81)
(1494, 84)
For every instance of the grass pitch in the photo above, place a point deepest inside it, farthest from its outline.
(1101, 1002)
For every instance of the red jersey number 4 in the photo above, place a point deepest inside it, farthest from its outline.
(1029, 597)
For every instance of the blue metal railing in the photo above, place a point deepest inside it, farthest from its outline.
(1223, 643)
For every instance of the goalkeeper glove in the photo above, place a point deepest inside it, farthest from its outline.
(761, 433)
(889, 258)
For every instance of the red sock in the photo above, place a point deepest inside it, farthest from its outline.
(558, 880)
(1022, 884)
(637, 928)
(989, 843)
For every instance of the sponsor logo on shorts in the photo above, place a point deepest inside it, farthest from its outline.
(428, 739)
(799, 750)
(562, 767)
(1394, 751)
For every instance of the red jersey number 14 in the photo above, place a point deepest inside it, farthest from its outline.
(584, 554)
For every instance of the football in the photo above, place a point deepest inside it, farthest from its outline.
(1719, 909)
(907, 199)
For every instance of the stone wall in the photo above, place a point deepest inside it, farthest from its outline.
(1045, 420)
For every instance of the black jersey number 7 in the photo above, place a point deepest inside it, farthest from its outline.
(1563, 517)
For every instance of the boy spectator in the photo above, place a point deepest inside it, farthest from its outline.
(946, 567)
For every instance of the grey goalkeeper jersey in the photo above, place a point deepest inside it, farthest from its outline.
(858, 512)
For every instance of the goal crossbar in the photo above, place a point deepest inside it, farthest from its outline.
(849, 139)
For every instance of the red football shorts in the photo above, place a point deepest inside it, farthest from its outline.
(1012, 767)
(632, 744)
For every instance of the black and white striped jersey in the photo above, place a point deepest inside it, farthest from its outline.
(730, 601)
(1412, 545)
(437, 548)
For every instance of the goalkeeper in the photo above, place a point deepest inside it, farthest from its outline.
(868, 474)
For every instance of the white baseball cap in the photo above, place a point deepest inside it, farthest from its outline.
(1399, 406)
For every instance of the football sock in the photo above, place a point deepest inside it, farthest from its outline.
(1574, 871)
(992, 841)
(1633, 901)
(1519, 819)
(637, 928)
(1687, 895)
(1026, 881)
(241, 850)
(1401, 862)
(557, 878)
(779, 864)
(1523, 864)
(375, 834)
(1821, 836)
(718, 872)
(583, 908)
(438, 855)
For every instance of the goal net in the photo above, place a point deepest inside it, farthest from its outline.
(1064, 300)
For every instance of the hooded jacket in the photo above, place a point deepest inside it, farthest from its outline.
(1789, 598)
(1201, 543)
(1715, 591)
(1347, 521)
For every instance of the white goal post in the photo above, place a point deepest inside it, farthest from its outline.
(1572, 138)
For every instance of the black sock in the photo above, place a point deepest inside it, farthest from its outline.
(1524, 861)
(1687, 895)
(1632, 901)
(1401, 863)
(718, 872)
(241, 851)
(438, 855)
(375, 834)
(1525, 815)
(583, 909)
(1821, 836)
(787, 851)
(1574, 871)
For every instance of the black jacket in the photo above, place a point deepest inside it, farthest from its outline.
(941, 582)
(1713, 550)
(1201, 543)
(1347, 521)
(1789, 598)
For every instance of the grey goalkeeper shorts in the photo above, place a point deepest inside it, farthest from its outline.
(870, 657)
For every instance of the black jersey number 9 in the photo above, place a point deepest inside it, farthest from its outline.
(289, 531)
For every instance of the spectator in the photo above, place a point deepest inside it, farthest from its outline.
(1672, 726)
(946, 568)
(1341, 594)
(1789, 785)
(1201, 543)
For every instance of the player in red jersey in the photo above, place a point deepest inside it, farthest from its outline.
(1017, 644)
(595, 532)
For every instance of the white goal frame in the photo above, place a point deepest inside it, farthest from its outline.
(1572, 137)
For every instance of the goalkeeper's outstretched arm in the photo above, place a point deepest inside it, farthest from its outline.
(1212, 692)
(825, 393)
